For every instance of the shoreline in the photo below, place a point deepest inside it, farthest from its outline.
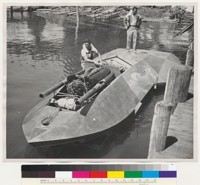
(49, 14)
(114, 13)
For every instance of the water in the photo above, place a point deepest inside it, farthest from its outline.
(40, 53)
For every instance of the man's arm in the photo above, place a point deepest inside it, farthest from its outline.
(99, 55)
(97, 52)
(127, 19)
(126, 22)
(87, 59)
(92, 61)
(139, 21)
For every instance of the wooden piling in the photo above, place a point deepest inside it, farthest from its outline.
(176, 91)
(77, 13)
(22, 11)
(190, 56)
(159, 128)
(177, 84)
(11, 12)
(76, 32)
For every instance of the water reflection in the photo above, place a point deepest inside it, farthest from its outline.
(76, 33)
(36, 26)
(35, 37)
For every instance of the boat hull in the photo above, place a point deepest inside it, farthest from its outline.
(112, 105)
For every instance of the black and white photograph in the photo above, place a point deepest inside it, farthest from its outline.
(100, 82)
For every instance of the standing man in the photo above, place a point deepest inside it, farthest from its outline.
(88, 53)
(132, 22)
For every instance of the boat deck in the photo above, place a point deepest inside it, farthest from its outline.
(117, 100)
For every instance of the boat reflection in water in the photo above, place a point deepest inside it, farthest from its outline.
(126, 80)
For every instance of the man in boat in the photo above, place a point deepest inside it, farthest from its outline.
(132, 22)
(88, 53)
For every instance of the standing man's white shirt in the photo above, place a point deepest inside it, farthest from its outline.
(132, 19)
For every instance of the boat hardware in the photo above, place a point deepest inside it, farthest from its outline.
(46, 121)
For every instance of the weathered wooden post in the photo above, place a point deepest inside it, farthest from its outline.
(190, 55)
(21, 10)
(77, 24)
(176, 90)
(177, 84)
(76, 32)
(159, 128)
(77, 14)
(11, 12)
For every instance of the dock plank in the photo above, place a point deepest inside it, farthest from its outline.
(180, 127)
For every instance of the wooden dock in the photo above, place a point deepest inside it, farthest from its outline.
(179, 143)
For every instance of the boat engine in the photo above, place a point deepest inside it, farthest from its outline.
(76, 92)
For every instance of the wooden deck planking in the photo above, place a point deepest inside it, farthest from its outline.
(181, 128)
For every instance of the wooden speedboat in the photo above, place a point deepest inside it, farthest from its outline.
(66, 117)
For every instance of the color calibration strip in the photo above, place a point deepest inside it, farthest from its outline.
(99, 174)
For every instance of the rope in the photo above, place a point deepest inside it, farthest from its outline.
(77, 87)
